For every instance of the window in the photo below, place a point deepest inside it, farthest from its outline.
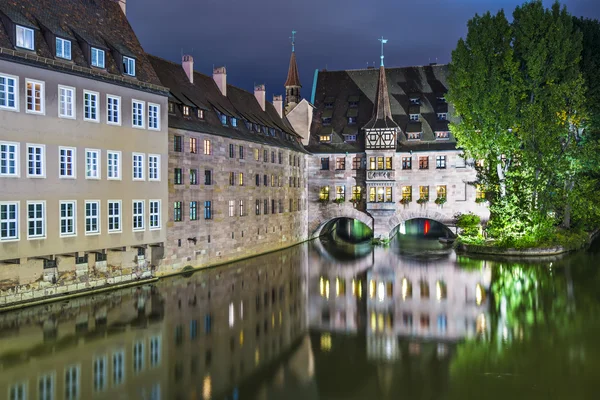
(440, 162)
(208, 177)
(379, 163)
(207, 147)
(178, 176)
(137, 113)
(9, 89)
(265, 180)
(186, 111)
(138, 356)
(25, 38)
(92, 164)
(257, 178)
(100, 374)
(257, 207)
(92, 217)
(177, 217)
(241, 151)
(72, 383)
(46, 387)
(97, 57)
(340, 163)
(113, 110)
(372, 163)
(35, 96)
(326, 121)
(193, 176)
(90, 106)
(66, 102)
(242, 208)
(155, 351)
(113, 164)
(272, 180)
(138, 215)
(241, 176)
(423, 162)
(35, 161)
(352, 121)
(67, 162)
(372, 195)
(388, 194)
(280, 157)
(223, 119)
(356, 193)
(479, 192)
(340, 192)
(442, 116)
(441, 192)
(324, 193)
(153, 167)
(265, 156)
(207, 210)
(231, 178)
(138, 167)
(201, 114)
(256, 155)
(231, 208)
(414, 117)
(128, 66)
(350, 138)
(114, 216)
(325, 163)
(388, 163)
(273, 157)
(324, 138)
(441, 98)
(193, 210)
(265, 206)
(415, 100)
(177, 143)
(407, 193)
(153, 117)
(171, 108)
(154, 214)
(442, 135)
(68, 218)
(118, 367)
(231, 151)
(273, 209)
(233, 121)
(9, 221)
(63, 48)
(406, 162)
(424, 192)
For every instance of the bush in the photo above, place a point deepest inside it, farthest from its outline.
(468, 223)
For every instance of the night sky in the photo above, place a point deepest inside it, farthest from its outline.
(251, 37)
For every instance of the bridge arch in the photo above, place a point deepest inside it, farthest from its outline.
(332, 212)
(387, 227)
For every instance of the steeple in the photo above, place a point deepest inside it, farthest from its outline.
(382, 112)
(292, 83)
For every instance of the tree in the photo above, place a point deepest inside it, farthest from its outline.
(519, 93)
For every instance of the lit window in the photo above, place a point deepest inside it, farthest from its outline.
(441, 192)
(153, 116)
(442, 135)
(201, 114)
(324, 193)
(379, 163)
(35, 161)
(138, 215)
(92, 217)
(388, 163)
(138, 167)
(68, 218)
(9, 86)
(9, 159)
(231, 208)
(114, 216)
(193, 145)
(153, 167)
(113, 110)
(128, 66)
(325, 138)
(413, 135)
(154, 214)
(407, 193)
(479, 193)
(424, 192)
(207, 147)
(63, 48)
(356, 162)
(186, 111)
(90, 106)
(356, 193)
(423, 162)
(137, 113)
(97, 57)
(67, 162)
(241, 179)
(25, 38)
(113, 164)
(92, 164)
(340, 163)
(340, 192)
(9, 221)
(66, 102)
(35, 97)
(242, 208)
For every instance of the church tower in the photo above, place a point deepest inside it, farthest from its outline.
(292, 83)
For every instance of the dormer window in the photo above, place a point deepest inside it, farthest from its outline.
(186, 111)
(97, 58)
(351, 120)
(413, 135)
(349, 138)
(234, 122)
(272, 131)
(25, 38)
(325, 138)
(442, 116)
(171, 108)
(128, 66)
(201, 114)
(414, 117)
(327, 121)
(223, 119)
(63, 48)
(442, 135)
(441, 99)
(415, 100)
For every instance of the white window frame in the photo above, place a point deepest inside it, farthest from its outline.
(154, 117)
(15, 92)
(97, 377)
(155, 351)
(17, 160)
(117, 217)
(139, 356)
(414, 117)
(16, 221)
(130, 62)
(121, 368)
(140, 216)
(232, 208)
(61, 218)
(73, 102)
(96, 100)
(141, 167)
(64, 45)
(118, 166)
(98, 174)
(141, 107)
(98, 52)
(43, 220)
(24, 30)
(42, 92)
(73, 161)
(151, 159)
(77, 393)
(156, 214)
(43, 394)
(110, 111)
(24, 385)
(97, 217)
(42, 160)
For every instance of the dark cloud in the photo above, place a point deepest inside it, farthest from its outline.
(252, 37)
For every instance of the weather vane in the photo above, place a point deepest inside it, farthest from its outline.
(383, 41)
(293, 37)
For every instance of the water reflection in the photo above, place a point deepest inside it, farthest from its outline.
(321, 321)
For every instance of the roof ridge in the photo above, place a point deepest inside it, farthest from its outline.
(387, 68)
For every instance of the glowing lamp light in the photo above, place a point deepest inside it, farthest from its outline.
(402, 228)
(327, 288)
(322, 286)
(207, 388)
(426, 228)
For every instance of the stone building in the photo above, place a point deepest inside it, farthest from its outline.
(382, 150)
(236, 170)
(83, 143)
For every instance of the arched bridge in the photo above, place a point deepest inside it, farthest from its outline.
(318, 218)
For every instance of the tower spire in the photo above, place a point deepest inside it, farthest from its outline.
(382, 111)
(292, 83)
(383, 41)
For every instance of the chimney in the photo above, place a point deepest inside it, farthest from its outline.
(187, 63)
(260, 94)
(123, 4)
(220, 77)
(278, 104)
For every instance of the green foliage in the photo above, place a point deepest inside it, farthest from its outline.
(469, 224)
(405, 200)
(338, 200)
(422, 200)
(440, 201)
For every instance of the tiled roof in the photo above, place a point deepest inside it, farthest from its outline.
(98, 23)
(293, 79)
(424, 82)
(205, 94)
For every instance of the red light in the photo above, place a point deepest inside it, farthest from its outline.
(426, 227)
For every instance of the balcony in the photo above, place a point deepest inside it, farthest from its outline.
(381, 175)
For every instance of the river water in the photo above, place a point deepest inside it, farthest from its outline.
(322, 320)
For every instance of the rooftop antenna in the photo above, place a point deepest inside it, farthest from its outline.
(293, 37)
(383, 41)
